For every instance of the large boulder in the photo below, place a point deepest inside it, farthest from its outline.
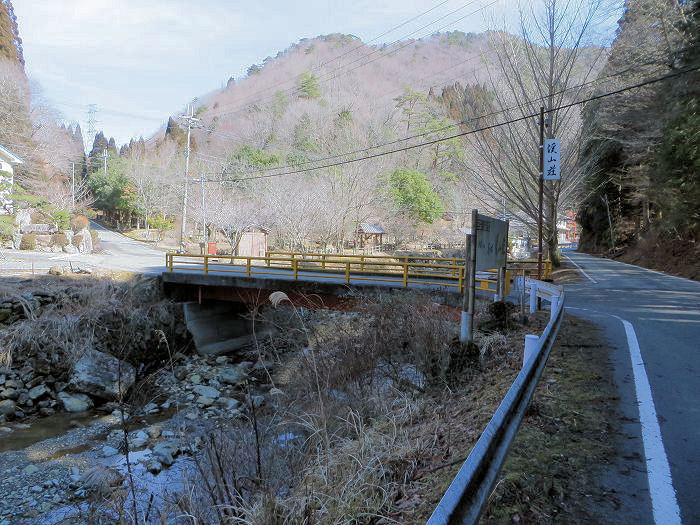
(85, 245)
(7, 407)
(23, 217)
(102, 375)
(75, 402)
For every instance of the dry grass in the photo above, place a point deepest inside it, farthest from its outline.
(374, 417)
(123, 317)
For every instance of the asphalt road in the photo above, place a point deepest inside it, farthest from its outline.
(659, 383)
(117, 252)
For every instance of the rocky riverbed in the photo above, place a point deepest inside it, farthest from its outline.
(55, 465)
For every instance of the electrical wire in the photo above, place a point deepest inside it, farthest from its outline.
(469, 132)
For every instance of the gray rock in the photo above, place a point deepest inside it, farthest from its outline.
(75, 402)
(13, 383)
(108, 451)
(139, 439)
(154, 432)
(258, 401)
(165, 452)
(195, 379)
(206, 391)
(154, 466)
(102, 375)
(228, 403)
(30, 469)
(7, 407)
(205, 401)
(69, 248)
(56, 270)
(9, 393)
(38, 391)
(232, 376)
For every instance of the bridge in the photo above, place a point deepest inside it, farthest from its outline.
(222, 276)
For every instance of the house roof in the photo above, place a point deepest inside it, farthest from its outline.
(368, 228)
(11, 157)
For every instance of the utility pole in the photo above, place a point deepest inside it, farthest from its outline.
(73, 186)
(189, 118)
(541, 195)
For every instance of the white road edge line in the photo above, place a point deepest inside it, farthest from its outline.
(581, 269)
(663, 496)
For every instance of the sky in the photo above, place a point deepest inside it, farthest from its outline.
(140, 61)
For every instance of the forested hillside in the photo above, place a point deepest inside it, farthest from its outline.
(282, 147)
(644, 145)
(33, 130)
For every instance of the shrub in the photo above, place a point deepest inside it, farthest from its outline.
(59, 239)
(7, 227)
(60, 217)
(28, 242)
(79, 222)
(77, 239)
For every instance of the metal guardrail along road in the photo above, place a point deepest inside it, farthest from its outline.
(401, 271)
(468, 494)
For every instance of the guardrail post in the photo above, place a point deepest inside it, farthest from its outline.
(247, 264)
(533, 298)
(554, 306)
(531, 342)
(405, 274)
(206, 264)
(295, 268)
(323, 261)
(362, 263)
(347, 272)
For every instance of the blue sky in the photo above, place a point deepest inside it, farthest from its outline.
(141, 60)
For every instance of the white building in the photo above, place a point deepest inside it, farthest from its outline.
(7, 162)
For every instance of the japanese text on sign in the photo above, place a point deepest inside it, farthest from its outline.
(552, 157)
(491, 243)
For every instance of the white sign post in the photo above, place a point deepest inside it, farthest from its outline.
(487, 249)
(552, 160)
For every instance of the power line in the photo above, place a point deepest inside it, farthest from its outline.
(461, 123)
(465, 133)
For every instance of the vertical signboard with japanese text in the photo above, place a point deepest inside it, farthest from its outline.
(552, 160)
(491, 243)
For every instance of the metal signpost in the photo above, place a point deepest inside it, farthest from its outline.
(487, 249)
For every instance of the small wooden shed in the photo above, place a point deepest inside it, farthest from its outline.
(369, 234)
(253, 242)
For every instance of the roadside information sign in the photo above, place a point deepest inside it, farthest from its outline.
(552, 160)
(491, 243)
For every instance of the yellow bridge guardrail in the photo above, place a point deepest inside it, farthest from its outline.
(445, 272)
(517, 266)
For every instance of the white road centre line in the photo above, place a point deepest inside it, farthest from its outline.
(663, 496)
(581, 270)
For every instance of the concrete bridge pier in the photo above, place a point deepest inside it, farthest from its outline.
(220, 327)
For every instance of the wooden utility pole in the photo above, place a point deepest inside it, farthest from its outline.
(466, 333)
(541, 195)
(73, 186)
